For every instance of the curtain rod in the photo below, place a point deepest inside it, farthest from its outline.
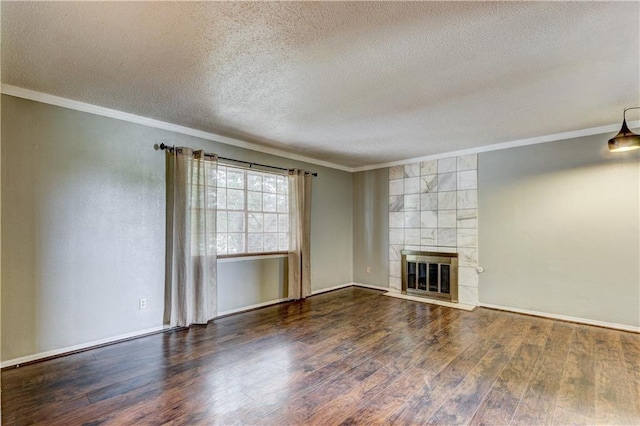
(163, 147)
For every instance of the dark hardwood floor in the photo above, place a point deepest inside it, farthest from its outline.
(350, 356)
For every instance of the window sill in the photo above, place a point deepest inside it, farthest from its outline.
(250, 256)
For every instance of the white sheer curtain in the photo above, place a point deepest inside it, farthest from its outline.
(299, 234)
(190, 265)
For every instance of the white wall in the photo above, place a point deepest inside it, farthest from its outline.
(560, 230)
(83, 220)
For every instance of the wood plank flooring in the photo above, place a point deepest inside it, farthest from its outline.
(346, 357)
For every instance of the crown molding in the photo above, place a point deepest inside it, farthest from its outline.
(505, 145)
(20, 92)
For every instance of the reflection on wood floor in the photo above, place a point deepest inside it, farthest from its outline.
(349, 356)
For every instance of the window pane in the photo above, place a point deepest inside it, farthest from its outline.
(270, 222)
(195, 219)
(221, 243)
(283, 203)
(197, 244)
(222, 176)
(255, 243)
(235, 199)
(211, 172)
(269, 183)
(235, 222)
(254, 181)
(254, 201)
(221, 225)
(283, 185)
(270, 242)
(251, 211)
(235, 243)
(210, 224)
(269, 202)
(283, 241)
(235, 179)
(212, 196)
(211, 243)
(222, 198)
(283, 223)
(255, 222)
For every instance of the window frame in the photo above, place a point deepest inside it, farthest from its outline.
(246, 212)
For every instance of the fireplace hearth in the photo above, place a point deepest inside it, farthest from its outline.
(430, 274)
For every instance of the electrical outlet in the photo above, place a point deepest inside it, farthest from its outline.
(143, 303)
(368, 269)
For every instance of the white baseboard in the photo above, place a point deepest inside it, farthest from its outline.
(55, 352)
(375, 287)
(250, 307)
(586, 321)
(335, 287)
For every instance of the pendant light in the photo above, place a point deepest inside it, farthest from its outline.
(625, 140)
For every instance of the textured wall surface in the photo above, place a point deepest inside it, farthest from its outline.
(560, 230)
(83, 229)
(370, 227)
(433, 206)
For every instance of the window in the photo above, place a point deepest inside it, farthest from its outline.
(252, 214)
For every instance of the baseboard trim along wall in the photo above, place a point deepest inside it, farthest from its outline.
(374, 287)
(338, 287)
(596, 323)
(251, 307)
(78, 348)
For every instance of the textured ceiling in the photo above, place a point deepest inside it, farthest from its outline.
(350, 83)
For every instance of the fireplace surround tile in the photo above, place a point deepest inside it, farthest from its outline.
(447, 200)
(468, 256)
(396, 203)
(467, 276)
(467, 218)
(412, 236)
(396, 219)
(396, 236)
(467, 238)
(447, 219)
(412, 202)
(467, 162)
(429, 201)
(429, 183)
(447, 181)
(467, 180)
(396, 172)
(447, 237)
(467, 199)
(412, 219)
(394, 252)
(429, 219)
(433, 207)
(428, 237)
(412, 170)
(412, 185)
(467, 295)
(429, 167)
(396, 187)
(447, 165)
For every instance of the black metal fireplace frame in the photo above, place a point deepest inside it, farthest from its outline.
(431, 258)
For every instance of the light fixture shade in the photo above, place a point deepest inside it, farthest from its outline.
(625, 140)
